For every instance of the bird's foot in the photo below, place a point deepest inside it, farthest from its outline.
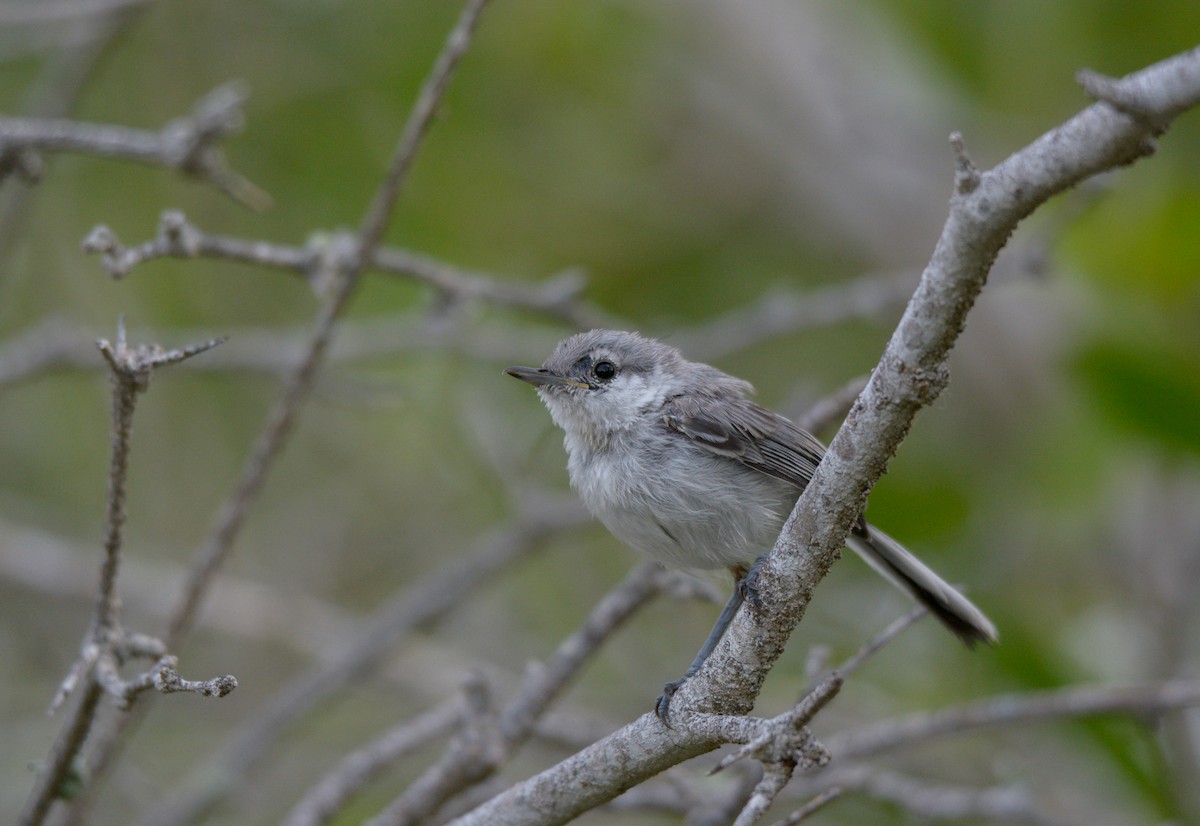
(662, 707)
(748, 585)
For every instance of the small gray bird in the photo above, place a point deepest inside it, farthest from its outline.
(674, 459)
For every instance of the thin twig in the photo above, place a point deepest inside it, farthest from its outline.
(379, 213)
(466, 764)
(189, 144)
(329, 796)
(1073, 701)
(831, 409)
(557, 297)
(895, 629)
(106, 644)
(345, 273)
(339, 270)
(774, 778)
(423, 602)
(813, 806)
(54, 93)
(943, 802)
(787, 311)
(783, 738)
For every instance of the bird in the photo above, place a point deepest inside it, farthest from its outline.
(677, 461)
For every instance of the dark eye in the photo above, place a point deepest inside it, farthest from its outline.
(604, 370)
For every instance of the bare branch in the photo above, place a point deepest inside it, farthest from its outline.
(910, 375)
(344, 275)
(557, 297)
(107, 644)
(164, 678)
(943, 802)
(191, 148)
(785, 739)
(189, 144)
(331, 794)
(813, 806)
(467, 762)
(780, 311)
(774, 778)
(131, 369)
(831, 409)
(53, 94)
(427, 599)
(379, 213)
(913, 371)
(1074, 701)
(895, 629)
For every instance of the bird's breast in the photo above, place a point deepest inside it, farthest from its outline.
(679, 504)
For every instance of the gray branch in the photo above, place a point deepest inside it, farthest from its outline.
(107, 644)
(339, 273)
(189, 144)
(985, 209)
(557, 297)
(473, 758)
(1075, 701)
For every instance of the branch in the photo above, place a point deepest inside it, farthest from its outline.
(787, 311)
(940, 802)
(910, 375)
(379, 213)
(557, 297)
(188, 144)
(107, 644)
(785, 744)
(912, 371)
(813, 806)
(340, 272)
(330, 795)
(1075, 701)
(831, 409)
(475, 756)
(353, 657)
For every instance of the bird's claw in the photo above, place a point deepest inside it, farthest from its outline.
(662, 707)
(748, 585)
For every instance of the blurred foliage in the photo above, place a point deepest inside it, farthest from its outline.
(690, 157)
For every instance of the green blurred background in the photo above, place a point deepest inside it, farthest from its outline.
(691, 158)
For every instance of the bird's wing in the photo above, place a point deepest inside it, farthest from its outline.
(739, 429)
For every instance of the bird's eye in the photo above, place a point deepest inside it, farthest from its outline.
(604, 370)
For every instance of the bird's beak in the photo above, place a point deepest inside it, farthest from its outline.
(540, 376)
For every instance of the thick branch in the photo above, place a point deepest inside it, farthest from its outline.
(911, 374)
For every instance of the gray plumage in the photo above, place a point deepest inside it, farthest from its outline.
(678, 463)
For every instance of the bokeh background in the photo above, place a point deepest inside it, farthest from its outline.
(693, 159)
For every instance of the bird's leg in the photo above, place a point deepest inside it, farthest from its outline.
(743, 591)
(663, 706)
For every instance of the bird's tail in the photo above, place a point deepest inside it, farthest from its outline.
(956, 612)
